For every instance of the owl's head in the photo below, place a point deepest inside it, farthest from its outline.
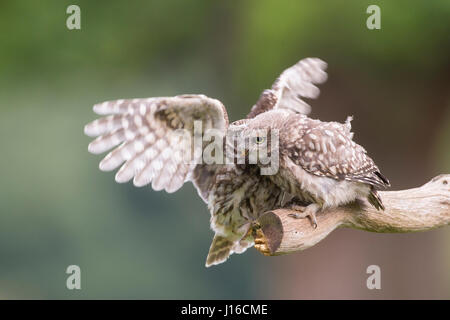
(256, 140)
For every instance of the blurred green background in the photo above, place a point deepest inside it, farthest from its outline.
(58, 209)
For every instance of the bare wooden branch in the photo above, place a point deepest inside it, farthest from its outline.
(418, 209)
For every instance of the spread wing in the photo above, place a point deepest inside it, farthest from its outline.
(326, 149)
(146, 140)
(292, 85)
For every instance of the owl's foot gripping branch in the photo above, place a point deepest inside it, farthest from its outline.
(419, 209)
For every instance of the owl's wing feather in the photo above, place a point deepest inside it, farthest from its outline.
(326, 149)
(291, 86)
(150, 143)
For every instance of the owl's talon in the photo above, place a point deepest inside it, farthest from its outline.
(258, 241)
(313, 219)
(263, 249)
(297, 208)
(308, 212)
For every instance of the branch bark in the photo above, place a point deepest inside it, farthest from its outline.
(419, 209)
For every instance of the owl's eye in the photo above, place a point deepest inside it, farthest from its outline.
(260, 140)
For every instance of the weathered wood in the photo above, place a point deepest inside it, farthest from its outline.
(419, 209)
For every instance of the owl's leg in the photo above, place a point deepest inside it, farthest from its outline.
(306, 212)
(246, 240)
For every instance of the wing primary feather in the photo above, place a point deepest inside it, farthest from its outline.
(141, 134)
(294, 84)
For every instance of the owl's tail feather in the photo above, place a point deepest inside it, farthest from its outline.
(220, 250)
(375, 200)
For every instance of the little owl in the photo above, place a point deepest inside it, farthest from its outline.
(319, 165)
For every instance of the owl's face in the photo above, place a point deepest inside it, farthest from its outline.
(262, 132)
(258, 146)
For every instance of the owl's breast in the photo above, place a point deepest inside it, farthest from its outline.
(239, 196)
(291, 184)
